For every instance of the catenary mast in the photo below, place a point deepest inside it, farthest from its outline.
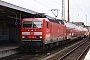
(63, 10)
(68, 17)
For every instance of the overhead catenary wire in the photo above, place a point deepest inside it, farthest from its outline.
(82, 11)
(85, 6)
(79, 7)
(47, 6)
(41, 4)
(56, 2)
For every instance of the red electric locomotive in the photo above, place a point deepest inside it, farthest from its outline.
(41, 33)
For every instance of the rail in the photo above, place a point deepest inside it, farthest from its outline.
(63, 57)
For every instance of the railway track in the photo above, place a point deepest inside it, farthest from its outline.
(74, 52)
(77, 52)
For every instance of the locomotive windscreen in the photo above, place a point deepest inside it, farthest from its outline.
(30, 24)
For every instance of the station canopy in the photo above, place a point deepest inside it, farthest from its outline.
(10, 11)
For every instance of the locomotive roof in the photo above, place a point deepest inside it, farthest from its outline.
(59, 21)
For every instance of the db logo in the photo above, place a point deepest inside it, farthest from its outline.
(32, 33)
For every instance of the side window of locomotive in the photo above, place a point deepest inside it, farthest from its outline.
(47, 24)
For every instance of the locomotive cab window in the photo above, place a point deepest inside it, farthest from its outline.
(37, 24)
(30, 24)
(27, 24)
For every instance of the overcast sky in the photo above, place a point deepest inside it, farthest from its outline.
(78, 8)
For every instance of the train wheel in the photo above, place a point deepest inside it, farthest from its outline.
(50, 45)
(47, 47)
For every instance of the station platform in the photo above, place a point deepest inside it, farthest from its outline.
(8, 49)
(87, 57)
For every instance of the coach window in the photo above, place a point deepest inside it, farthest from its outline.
(69, 30)
(47, 24)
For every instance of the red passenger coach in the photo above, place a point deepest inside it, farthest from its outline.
(41, 32)
(74, 32)
(71, 31)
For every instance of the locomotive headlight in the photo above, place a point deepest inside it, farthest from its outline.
(40, 36)
(23, 36)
